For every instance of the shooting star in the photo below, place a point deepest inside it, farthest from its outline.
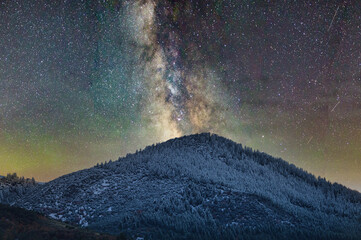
(335, 106)
(333, 19)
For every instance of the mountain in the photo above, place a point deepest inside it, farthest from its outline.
(200, 186)
(17, 223)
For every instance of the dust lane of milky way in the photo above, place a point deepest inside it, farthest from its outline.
(83, 82)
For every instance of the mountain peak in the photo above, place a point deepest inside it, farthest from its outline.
(205, 137)
(203, 184)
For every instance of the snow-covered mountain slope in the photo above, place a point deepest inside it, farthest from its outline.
(201, 187)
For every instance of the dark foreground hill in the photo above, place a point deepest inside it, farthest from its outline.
(201, 187)
(17, 223)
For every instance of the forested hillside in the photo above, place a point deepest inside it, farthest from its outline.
(201, 187)
(12, 187)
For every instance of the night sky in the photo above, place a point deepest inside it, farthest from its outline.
(83, 82)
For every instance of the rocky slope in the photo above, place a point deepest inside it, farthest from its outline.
(200, 187)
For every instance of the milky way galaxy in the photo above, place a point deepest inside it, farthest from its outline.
(185, 99)
(83, 82)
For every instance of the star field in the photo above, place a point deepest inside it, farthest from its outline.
(87, 81)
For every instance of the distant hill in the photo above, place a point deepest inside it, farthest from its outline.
(17, 223)
(201, 186)
(13, 187)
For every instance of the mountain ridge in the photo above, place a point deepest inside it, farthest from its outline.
(198, 187)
